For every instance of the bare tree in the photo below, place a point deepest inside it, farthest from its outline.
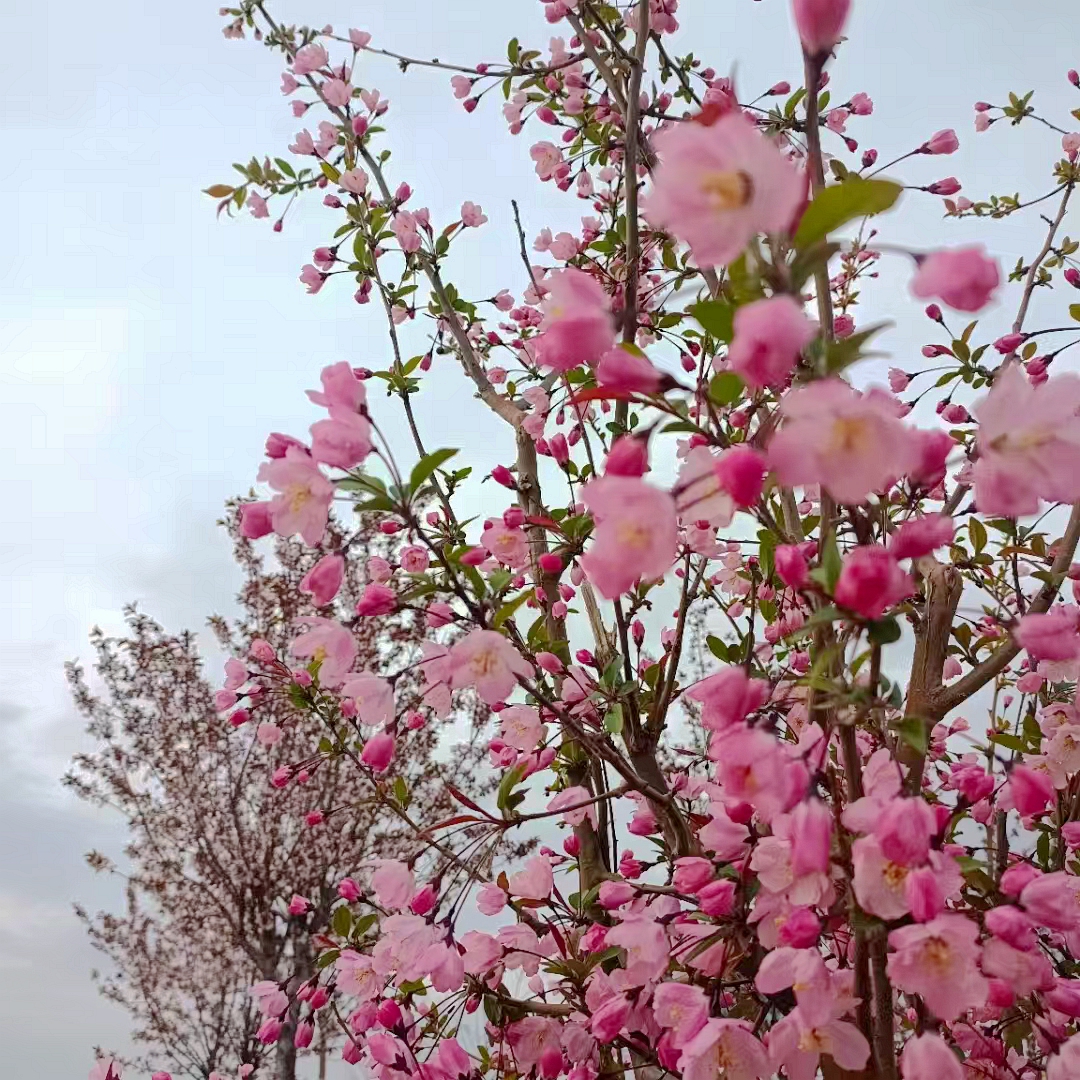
(215, 851)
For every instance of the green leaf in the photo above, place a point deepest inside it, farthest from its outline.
(977, 532)
(836, 205)
(509, 781)
(884, 631)
(717, 316)
(725, 388)
(718, 648)
(508, 610)
(913, 730)
(831, 563)
(844, 352)
(330, 172)
(426, 466)
(1074, 311)
(401, 792)
(327, 958)
(613, 722)
(1008, 740)
(342, 921)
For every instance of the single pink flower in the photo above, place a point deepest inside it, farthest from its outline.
(964, 278)
(797, 1045)
(681, 1009)
(324, 579)
(535, 881)
(376, 599)
(341, 387)
(769, 336)
(941, 142)
(810, 834)
(330, 644)
(303, 503)
(1028, 443)
(921, 536)
(752, 767)
(904, 828)
(928, 1057)
(852, 443)
(472, 216)
(628, 456)
(1031, 791)
(1065, 1064)
(820, 23)
(577, 327)
(636, 533)
(310, 58)
(939, 960)
(490, 899)
(724, 1050)
(373, 697)
(509, 546)
(378, 751)
(728, 697)
(791, 566)
(741, 472)
(627, 369)
(392, 883)
(871, 582)
(486, 660)
(718, 185)
(1052, 636)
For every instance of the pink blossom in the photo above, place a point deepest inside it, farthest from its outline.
(939, 960)
(796, 1045)
(635, 535)
(718, 185)
(577, 327)
(414, 559)
(880, 885)
(851, 443)
(471, 215)
(724, 1050)
(811, 835)
(628, 456)
(791, 566)
(486, 660)
(769, 336)
(904, 828)
(941, 142)
(820, 23)
(728, 697)
(1052, 636)
(336, 92)
(340, 387)
(378, 751)
(490, 899)
(310, 58)
(1065, 1064)
(376, 599)
(303, 503)
(106, 1069)
(520, 727)
(752, 767)
(535, 881)
(681, 1009)
(354, 181)
(964, 278)
(1031, 791)
(342, 440)
(699, 494)
(648, 950)
(392, 883)
(329, 644)
(626, 368)
(324, 579)
(928, 1057)
(373, 697)
(1028, 443)
(509, 546)
(871, 582)
(257, 205)
(921, 536)
(256, 520)
(741, 472)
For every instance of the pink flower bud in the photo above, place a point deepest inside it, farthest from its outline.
(800, 929)
(949, 186)
(629, 456)
(550, 563)
(348, 889)
(791, 566)
(550, 663)
(941, 142)
(502, 475)
(255, 520)
(1008, 343)
(718, 897)
(820, 23)
(378, 751)
(741, 472)
(1031, 791)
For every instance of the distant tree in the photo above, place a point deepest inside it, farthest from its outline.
(216, 851)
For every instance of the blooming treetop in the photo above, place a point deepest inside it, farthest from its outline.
(735, 691)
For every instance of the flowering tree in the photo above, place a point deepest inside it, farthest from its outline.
(802, 861)
(229, 877)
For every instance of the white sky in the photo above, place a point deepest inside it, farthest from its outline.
(146, 349)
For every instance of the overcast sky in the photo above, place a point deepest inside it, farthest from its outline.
(146, 348)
